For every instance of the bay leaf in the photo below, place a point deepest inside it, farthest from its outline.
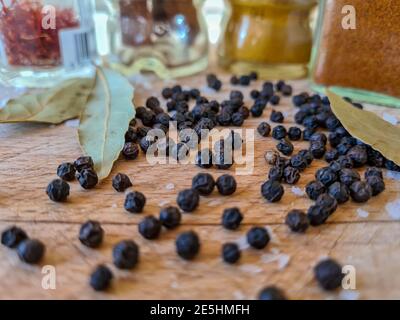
(105, 120)
(56, 105)
(367, 127)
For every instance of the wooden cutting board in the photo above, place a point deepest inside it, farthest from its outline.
(29, 155)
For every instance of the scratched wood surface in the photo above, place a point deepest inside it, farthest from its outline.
(30, 154)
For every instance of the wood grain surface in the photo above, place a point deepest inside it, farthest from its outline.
(30, 154)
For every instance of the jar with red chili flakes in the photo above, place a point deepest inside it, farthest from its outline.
(45, 42)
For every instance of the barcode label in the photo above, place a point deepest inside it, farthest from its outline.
(3, 54)
(77, 46)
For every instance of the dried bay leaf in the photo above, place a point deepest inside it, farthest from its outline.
(63, 102)
(368, 127)
(105, 120)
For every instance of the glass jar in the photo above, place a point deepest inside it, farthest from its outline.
(273, 37)
(357, 50)
(44, 42)
(168, 37)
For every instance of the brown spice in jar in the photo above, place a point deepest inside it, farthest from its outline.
(140, 23)
(367, 57)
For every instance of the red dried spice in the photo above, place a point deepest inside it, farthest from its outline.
(25, 40)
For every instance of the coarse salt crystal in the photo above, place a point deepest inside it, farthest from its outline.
(362, 213)
(298, 191)
(393, 209)
(394, 175)
(170, 186)
(390, 118)
(250, 268)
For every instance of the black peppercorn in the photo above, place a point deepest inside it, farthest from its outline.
(226, 185)
(285, 147)
(370, 172)
(245, 80)
(307, 155)
(345, 162)
(204, 183)
(326, 176)
(237, 119)
(83, 163)
(375, 158)
(348, 176)
(291, 175)
(286, 90)
(277, 116)
(170, 217)
(213, 82)
(257, 110)
(294, 133)
(135, 202)
(152, 103)
(311, 122)
(359, 156)
(314, 189)
(230, 253)
(88, 178)
(264, 129)
(91, 234)
(204, 158)
(187, 245)
(234, 80)
(255, 94)
(150, 228)
(275, 173)
(317, 215)
(167, 93)
(145, 144)
(253, 75)
(163, 118)
(275, 100)
(377, 184)
(319, 137)
(125, 254)
(317, 149)
(272, 191)
(101, 278)
(297, 221)
(329, 274)
(307, 133)
(121, 182)
(188, 200)
(232, 218)
(327, 202)
(131, 135)
(279, 132)
(31, 251)
(298, 162)
(271, 294)
(258, 237)
(331, 155)
(279, 85)
(340, 192)
(66, 171)
(58, 190)
(12, 237)
(300, 99)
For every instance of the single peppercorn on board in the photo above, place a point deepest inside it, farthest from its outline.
(367, 239)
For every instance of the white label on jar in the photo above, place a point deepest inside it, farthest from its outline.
(77, 46)
(3, 55)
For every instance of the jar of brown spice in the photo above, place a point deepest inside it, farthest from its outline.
(357, 50)
(168, 37)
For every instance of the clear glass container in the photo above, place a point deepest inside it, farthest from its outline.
(272, 37)
(357, 50)
(44, 42)
(168, 37)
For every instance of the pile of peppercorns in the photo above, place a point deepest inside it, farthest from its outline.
(334, 184)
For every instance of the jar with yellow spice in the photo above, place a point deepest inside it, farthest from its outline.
(272, 37)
